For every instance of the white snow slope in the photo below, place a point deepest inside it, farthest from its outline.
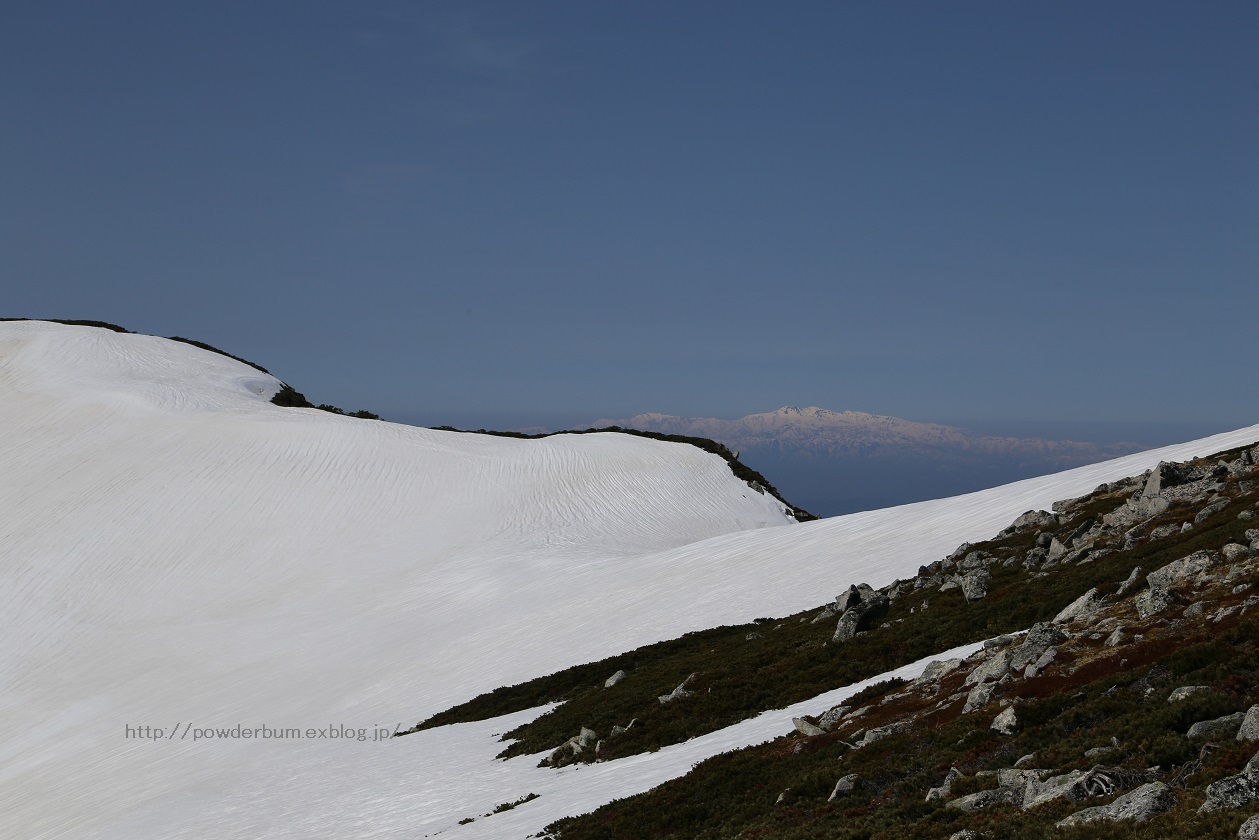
(177, 553)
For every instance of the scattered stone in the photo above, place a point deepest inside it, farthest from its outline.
(1139, 806)
(1153, 600)
(978, 697)
(785, 797)
(1250, 828)
(1083, 607)
(614, 679)
(832, 717)
(1115, 638)
(1221, 727)
(1235, 551)
(844, 785)
(983, 799)
(1040, 638)
(677, 693)
(993, 668)
(1185, 692)
(861, 616)
(1210, 510)
(1190, 568)
(945, 787)
(878, 733)
(1006, 722)
(965, 834)
(1042, 662)
(1033, 519)
(1055, 787)
(938, 669)
(855, 595)
(805, 728)
(1195, 610)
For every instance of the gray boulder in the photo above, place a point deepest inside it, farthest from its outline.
(1185, 692)
(805, 728)
(1040, 638)
(614, 679)
(1133, 579)
(1249, 730)
(1081, 608)
(975, 584)
(943, 790)
(1039, 792)
(979, 697)
(983, 799)
(1210, 510)
(677, 693)
(1153, 600)
(1222, 727)
(831, 717)
(1190, 568)
(844, 785)
(993, 668)
(1138, 806)
(855, 595)
(1006, 722)
(861, 616)
(1232, 792)
(1249, 829)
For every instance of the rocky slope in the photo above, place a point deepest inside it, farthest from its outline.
(1129, 709)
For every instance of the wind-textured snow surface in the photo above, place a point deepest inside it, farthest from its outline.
(177, 554)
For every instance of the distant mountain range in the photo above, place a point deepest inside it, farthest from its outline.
(833, 462)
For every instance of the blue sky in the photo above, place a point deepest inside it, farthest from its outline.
(543, 213)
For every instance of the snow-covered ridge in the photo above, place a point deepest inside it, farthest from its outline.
(175, 549)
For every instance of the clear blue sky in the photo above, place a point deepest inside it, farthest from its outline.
(547, 212)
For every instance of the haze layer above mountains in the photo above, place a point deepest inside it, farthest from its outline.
(836, 462)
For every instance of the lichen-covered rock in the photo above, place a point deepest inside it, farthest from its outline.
(975, 584)
(1138, 806)
(1191, 568)
(1232, 792)
(1006, 722)
(1153, 600)
(614, 679)
(1184, 692)
(808, 729)
(991, 669)
(1249, 829)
